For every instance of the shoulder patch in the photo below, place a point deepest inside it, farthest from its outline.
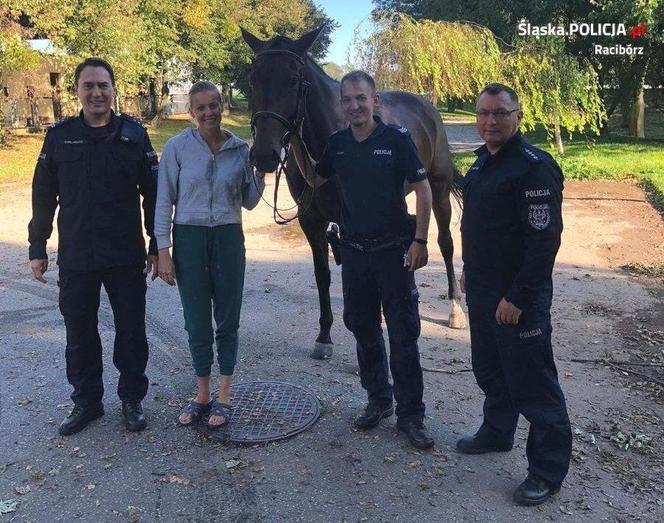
(63, 121)
(133, 120)
(131, 130)
(399, 128)
(531, 154)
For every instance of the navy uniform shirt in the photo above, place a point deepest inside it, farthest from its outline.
(511, 225)
(370, 175)
(96, 176)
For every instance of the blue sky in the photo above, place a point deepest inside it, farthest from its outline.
(348, 13)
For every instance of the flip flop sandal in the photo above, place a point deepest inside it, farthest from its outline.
(219, 409)
(195, 410)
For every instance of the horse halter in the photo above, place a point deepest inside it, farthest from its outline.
(293, 128)
(293, 124)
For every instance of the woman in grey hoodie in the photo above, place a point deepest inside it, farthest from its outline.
(204, 173)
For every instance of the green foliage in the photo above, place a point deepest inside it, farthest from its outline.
(453, 60)
(554, 89)
(15, 56)
(619, 77)
(151, 41)
(439, 60)
(333, 70)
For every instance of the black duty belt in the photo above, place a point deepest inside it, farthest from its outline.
(375, 245)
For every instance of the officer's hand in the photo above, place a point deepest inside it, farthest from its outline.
(259, 174)
(152, 265)
(507, 313)
(39, 267)
(416, 257)
(166, 267)
(462, 282)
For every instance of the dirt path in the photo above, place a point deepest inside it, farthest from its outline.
(331, 473)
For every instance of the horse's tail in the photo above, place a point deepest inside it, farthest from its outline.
(457, 187)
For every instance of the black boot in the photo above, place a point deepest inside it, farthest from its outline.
(373, 413)
(534, 491)
(483, 442)
(79, 418)
(133, 415)
(417, 433)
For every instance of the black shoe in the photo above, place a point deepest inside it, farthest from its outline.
(133, 415)
(417, 433)
(481, 443)
(79, 418)
(373, 413)
(534, 491)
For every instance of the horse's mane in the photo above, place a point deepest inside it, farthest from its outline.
(284, 43)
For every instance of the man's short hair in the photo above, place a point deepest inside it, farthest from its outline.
(359, 76)
(496, 88)
(93, 62)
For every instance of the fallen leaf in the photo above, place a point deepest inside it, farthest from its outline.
(90, 486)
(24, 402)
(37, 475)
(234, 463)
(22, 490)
(174, 478)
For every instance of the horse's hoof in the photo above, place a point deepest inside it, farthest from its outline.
(322, 351)
(457, 317)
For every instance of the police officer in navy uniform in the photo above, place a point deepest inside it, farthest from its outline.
(95, 167)
(510, 232)
(380, 250)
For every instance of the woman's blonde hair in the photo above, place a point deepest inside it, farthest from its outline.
(204, 85)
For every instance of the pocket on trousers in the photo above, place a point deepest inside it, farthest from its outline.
(411, 315)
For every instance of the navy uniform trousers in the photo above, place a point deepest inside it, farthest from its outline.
(372, 280)
(513, 365)
(79, 305)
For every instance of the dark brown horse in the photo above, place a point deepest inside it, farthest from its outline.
(292, 97)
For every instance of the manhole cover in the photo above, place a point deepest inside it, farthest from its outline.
(268, 411)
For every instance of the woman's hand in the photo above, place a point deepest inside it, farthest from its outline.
(166, 267)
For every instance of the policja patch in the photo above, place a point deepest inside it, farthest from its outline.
(539, 216)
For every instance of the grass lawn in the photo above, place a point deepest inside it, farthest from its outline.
(17, 160)
(614, 156)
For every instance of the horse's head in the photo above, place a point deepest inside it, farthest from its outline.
(278, 89)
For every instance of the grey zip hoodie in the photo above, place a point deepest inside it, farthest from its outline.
(206, 189)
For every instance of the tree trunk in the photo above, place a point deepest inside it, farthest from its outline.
(451, 106)
(226, 96)
(153, 98)
(559, 139)
(625, 114)
(637, 115)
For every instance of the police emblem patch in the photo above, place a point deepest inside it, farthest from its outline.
(539, 216)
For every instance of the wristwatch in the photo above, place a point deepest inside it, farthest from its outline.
(420, 241)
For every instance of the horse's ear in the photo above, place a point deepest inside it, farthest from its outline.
(307, 40)
(255, 43)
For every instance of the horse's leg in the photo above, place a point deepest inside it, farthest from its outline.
(442, 210)
(314, 227)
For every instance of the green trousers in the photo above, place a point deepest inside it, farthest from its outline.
(209, 267)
